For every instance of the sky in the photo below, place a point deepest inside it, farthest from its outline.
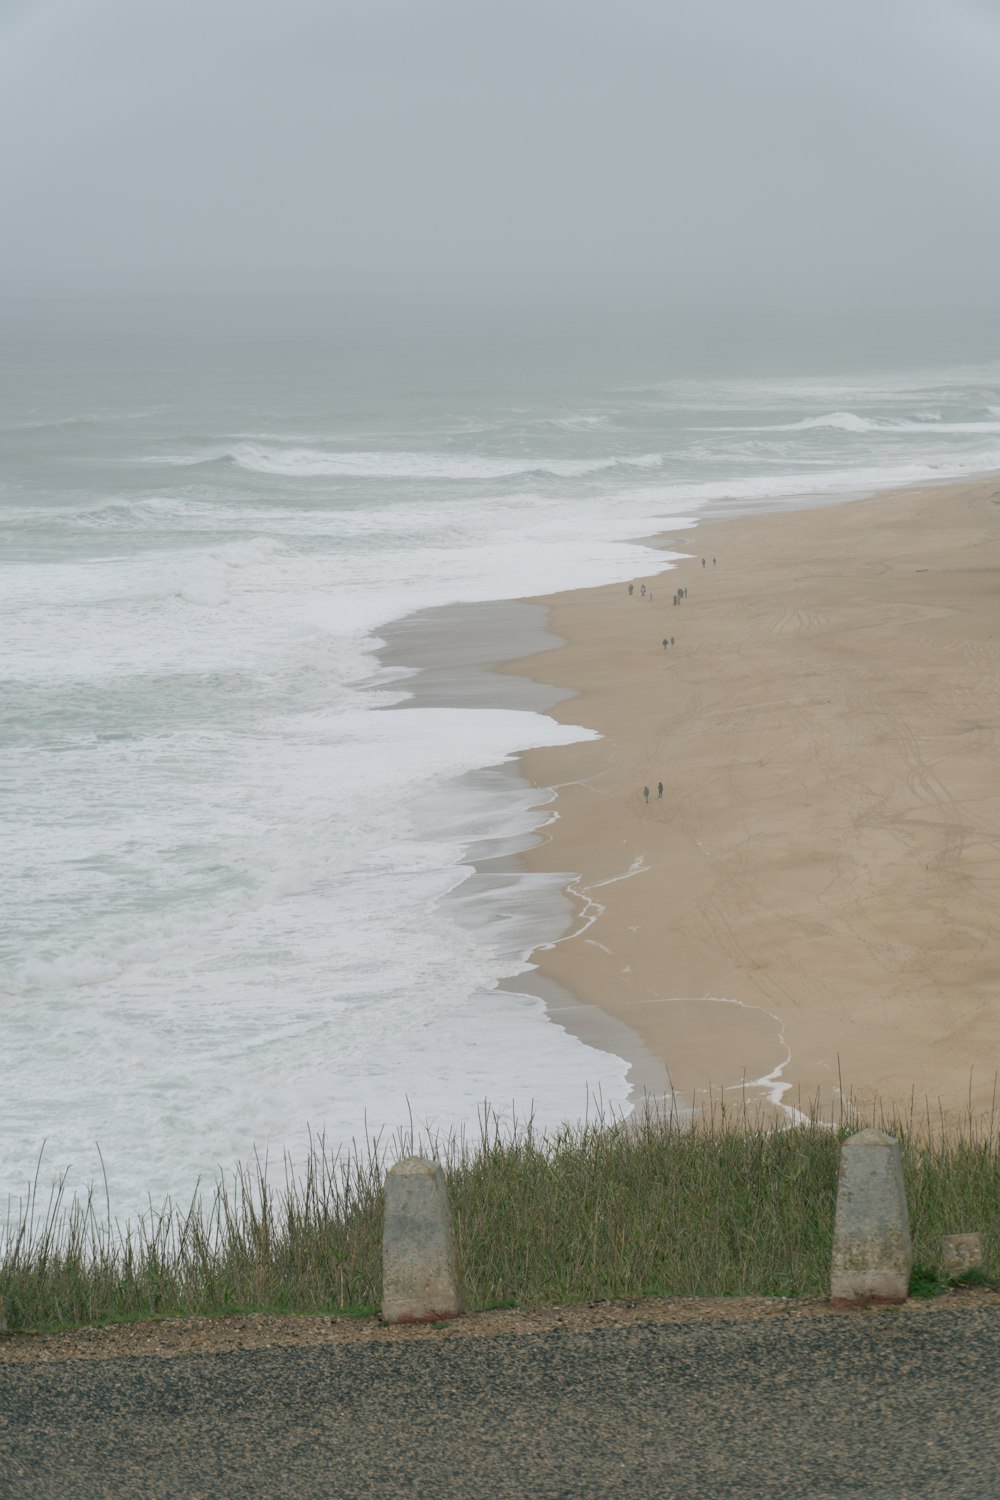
(750, 154)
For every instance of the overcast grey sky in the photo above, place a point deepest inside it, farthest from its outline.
(715, 151)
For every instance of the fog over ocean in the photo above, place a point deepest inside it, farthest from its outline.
(228, 850)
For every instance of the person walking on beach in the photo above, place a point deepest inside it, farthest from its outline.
(631, 588)
(671, 640)
(703, 562)
(666, 643)
(642, 589)
(645, 793)
(659, 790)
(713, 562)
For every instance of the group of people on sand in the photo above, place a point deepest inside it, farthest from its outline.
(668, 641)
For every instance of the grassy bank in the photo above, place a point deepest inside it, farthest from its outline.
(736, 1206)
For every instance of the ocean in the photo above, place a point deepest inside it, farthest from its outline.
(233, 849)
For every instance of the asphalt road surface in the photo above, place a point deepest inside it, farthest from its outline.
(876, 1404)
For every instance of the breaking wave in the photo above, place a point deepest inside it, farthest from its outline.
(309, 463)
(849, 421)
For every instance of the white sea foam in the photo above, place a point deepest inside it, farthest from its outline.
(775, 488)
(263, 946)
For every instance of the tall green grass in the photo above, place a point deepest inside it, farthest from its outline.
(738, 1204)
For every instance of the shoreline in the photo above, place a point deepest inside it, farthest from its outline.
(812, 901)
(458, 655)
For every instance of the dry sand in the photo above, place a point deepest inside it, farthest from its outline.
(821, 879)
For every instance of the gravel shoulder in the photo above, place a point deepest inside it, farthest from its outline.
(173, 1337)
(776, 1399)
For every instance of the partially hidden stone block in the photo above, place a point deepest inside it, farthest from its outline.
(420, 1276)
(960, 1253)
(872, 1254)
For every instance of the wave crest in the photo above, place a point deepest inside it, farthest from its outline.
(315, 463)
(849, 421)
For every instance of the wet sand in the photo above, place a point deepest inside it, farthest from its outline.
(817, 895)
(453, 656)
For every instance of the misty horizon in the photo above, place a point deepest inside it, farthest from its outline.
(702, 172)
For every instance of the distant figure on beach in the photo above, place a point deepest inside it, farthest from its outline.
(645, 793)
(671, 640)
(713, 562)
(631, 587)
(675, 598)
(666, 643)
(659, 788)
(703, 562)
(643, 589)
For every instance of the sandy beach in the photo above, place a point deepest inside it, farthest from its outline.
(816, 894)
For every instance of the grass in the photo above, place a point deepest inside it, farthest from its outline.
(737, 1205)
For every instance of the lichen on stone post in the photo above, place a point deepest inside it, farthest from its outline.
(872, 1255)
(420, 1276)
(960, 1254)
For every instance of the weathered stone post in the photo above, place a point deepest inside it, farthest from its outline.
(420, 1277)
(872, 1256)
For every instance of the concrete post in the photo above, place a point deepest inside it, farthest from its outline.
(872, 1256)
(420, 1277)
